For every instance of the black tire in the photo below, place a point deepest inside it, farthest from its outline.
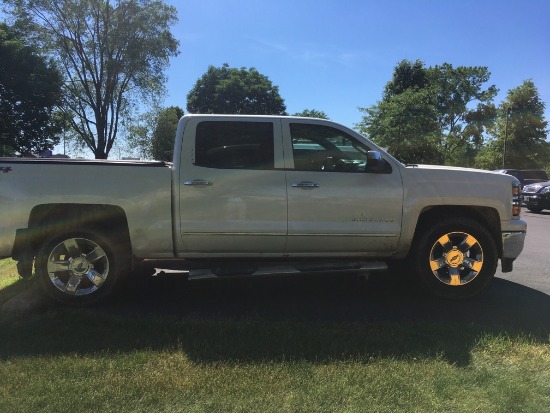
(455, 258)
(534, 209)
(79, 268)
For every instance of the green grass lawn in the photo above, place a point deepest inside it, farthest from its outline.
(8, 273)
(10, 282)
(121, 360)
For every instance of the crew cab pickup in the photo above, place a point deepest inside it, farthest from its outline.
(250, 192)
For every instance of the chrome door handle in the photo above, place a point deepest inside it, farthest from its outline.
(198, 182)
(305, 184)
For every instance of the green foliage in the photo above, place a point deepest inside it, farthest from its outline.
(165, 133)
(30, 93)
(525, 132)
(226, 90)
(462, 128)
(405, 124)
(406, 75)
(111, 53)
(426, 114)
(152, 134)
(139, 134)
(312, 113)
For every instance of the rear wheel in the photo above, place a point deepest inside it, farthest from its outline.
(78, 268)
(456, 258)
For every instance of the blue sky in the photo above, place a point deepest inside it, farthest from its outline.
(336, 55)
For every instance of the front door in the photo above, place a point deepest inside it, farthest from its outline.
(334, 206)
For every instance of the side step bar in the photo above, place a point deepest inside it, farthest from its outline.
(276, 269)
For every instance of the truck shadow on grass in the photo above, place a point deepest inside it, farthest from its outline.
(318, 318)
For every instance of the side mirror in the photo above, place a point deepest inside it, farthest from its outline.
(376, 164)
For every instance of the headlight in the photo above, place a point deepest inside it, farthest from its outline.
(532, 188)
(545, 190)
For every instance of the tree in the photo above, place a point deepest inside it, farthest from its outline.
(235, 91)
(152, 134)
(139, 134)
(405, 124)
(312, 113)
(406, 75)
(462, 128)
(30, 93)
(428, 113)
(405, 121)
(522, 125)
(165, 133)
(110, 53)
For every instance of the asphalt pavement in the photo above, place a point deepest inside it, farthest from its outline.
(532, 268)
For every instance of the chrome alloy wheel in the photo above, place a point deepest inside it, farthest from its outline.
(456, 258)
(78, 266)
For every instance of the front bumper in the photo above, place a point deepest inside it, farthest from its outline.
(535, 201)
(512, 245)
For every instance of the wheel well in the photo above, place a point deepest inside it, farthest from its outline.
(48, 219)
(487, 217)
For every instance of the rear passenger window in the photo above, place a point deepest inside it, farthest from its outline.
(234, 145)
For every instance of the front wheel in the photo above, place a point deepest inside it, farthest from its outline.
(78, 268)
(456, 258)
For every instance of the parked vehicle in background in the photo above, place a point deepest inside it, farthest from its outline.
(536, 197)
(526, 176)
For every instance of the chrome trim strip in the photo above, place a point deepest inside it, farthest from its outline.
(290, 235)
(259, 234)
(198, 182)
(345, 235)
(305, 184)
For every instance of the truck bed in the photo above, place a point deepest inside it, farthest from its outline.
(141, 188)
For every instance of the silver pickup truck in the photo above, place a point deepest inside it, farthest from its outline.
(250, 192)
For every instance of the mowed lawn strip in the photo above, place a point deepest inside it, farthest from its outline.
(87, 360)
(10, 282)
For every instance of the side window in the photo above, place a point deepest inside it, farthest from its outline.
(234, 145)
(323, 148)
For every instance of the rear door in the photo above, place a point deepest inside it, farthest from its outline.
(334, 206)
(232, 187)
